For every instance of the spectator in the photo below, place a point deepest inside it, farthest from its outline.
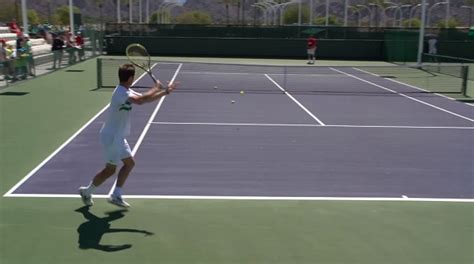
(57, 48)
(14, 28)
(10, 52)
(48, 36)
(3, 58)
(19, 41)
(70, 48)
(21, 64)
(432, 49)
(28, 52)
(80, 45)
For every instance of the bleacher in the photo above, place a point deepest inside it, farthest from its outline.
(6, 34)
(38, 47)
(41, 51)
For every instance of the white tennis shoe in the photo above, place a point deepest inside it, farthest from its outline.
(118, 201)
(86, 198)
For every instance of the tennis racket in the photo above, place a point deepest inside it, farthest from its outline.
(138, 55)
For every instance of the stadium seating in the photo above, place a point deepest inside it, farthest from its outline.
(6, 34)
(39, 46)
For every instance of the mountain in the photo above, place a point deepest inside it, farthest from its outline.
(90, 9)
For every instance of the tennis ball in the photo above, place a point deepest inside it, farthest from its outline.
(242, 92)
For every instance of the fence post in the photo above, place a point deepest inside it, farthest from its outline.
(464, 76)
(99, 73)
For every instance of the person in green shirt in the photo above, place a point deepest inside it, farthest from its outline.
(29, 54)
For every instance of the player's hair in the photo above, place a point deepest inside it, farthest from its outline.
(125, 72)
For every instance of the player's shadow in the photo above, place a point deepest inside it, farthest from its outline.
(91, 231)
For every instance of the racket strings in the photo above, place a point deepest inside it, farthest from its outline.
(138, 56)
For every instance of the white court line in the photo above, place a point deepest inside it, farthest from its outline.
(406, 96)
(147, 126)
(296, 101)
(411, 86)
(9, 193)
(308, 125)
(235, 124)
(258, 198)
(260, 73)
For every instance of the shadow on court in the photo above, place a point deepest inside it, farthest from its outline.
(91, 231)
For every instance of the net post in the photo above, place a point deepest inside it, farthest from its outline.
(99, 73)
(464, 75)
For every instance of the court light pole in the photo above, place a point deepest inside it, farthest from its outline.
(269, 7)
(422, 33)
(327, 13)
(119, 18)
(299, 12)
(140, 18)
(345, 12)
(470, 14)
(396, 11)
(281, 7)
(24, 16)
(370, 13)
(355, 10)
(448, 13)
(382, 17)
(166, 7)
(428, 18)
(147, 8)
(130, 17)
(401, 13)
(412, 12)
(264, 11)
(71, 18)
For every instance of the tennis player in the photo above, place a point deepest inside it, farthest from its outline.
(311, 46)
(114, 131)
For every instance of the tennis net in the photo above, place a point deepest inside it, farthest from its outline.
(230, 78)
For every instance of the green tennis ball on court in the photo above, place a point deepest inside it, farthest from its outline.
(242, 92)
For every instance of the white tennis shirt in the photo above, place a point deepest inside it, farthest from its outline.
(117, 123)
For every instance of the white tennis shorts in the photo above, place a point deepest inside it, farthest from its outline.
(115, 149)
(311, 51)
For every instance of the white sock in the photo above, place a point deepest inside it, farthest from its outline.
(117, 191)
(90, 189)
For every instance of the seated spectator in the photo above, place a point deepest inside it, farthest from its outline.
(14, 28)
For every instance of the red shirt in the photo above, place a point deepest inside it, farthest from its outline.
(79, 41)
(14, 27)
(312, 42)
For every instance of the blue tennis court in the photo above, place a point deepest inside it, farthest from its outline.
(358, 136)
